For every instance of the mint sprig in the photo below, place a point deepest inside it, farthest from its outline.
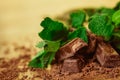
(81, 32)
(77, 18)
(101, 26)
(116, 17)
(103, 22)
(45, 57)
(52, 30)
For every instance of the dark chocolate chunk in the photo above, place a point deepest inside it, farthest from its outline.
(91, 44)
(107, 56)
(112, 61)
(72, 65)
(89, 50)
(70, 49)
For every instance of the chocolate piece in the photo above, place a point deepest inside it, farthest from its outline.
(89, 50)
(72, 65)
(91, 44)
(69, 49)
(107, 56)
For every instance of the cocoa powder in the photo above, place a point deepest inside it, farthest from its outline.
(17, 69)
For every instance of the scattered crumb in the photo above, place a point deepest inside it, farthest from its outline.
(17, 68)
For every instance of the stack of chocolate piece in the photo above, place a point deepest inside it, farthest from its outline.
(75, 53)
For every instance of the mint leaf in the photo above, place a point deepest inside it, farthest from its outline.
(52, 46)
(115, 41)
(117, 7)
(53, 30)
(43, 60)
(116, 34)
(36, 62)
(41, 44)
(116, 17)
(101, 26)
(107, 11)
(77, 18)
(80, 33)
(46, 56)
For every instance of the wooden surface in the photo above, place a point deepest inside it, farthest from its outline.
(20, 18)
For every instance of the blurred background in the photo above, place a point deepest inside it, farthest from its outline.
(20, 19)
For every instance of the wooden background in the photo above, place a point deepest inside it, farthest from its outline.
(20, 19)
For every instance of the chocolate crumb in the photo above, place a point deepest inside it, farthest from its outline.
(17, 69)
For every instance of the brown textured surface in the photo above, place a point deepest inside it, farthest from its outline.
(16, 68)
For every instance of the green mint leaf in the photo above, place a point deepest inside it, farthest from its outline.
(46, 56)
(49, 46)
(42, 61)
(80, 33)
(52, 46)
(39, 54)
(53, 30)
(41, 44)
(101, 26)
(116, 40)
(36, 62)
(117, 7)
(107, 11)
(77, 18)
(116, 34)
(116, 17)
(45, 59)
(94, 16)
